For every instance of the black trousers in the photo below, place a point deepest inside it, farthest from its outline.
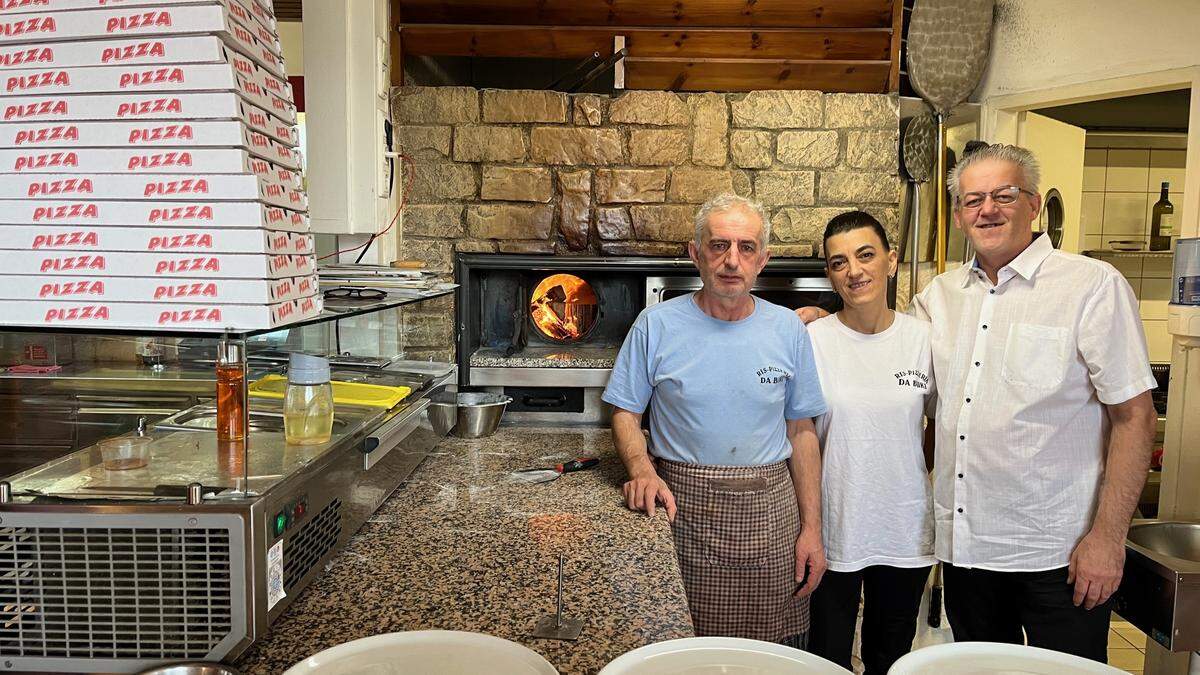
(891, 600)
(995, 607)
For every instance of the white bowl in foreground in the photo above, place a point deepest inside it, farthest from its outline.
(993, 658)
(446, 652)
(717, 656)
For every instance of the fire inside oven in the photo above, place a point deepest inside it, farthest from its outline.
(564, 308)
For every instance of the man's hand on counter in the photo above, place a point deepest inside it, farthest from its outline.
(1096, 567)
(644, 490)
(810, 561)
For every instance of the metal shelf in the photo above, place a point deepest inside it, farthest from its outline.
(1129, 254)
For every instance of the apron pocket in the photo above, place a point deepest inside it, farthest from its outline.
(736, 523)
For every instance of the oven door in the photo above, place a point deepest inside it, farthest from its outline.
(790, 292)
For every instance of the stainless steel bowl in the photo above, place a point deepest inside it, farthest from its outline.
(443, 412)
(192, 668)
(479, 413)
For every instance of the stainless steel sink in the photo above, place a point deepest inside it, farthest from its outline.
(1160, 592)
(1177, 540)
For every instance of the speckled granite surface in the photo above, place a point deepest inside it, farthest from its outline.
(461, 548)
(547, 357)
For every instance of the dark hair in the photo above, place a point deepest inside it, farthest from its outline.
(853, 220)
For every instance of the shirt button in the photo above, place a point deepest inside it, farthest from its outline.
(985, 326)
(960, 476)
(962, 438)
(960, 510)
(993, 291)
(968, 400)
(976, 364)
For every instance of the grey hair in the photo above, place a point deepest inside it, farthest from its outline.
(728, 202)
(1019, 157)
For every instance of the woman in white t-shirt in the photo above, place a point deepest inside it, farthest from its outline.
(877, 376)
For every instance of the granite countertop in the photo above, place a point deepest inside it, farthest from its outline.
(460, 548)
(547, 357)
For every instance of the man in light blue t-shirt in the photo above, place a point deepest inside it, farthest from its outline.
(731, 387)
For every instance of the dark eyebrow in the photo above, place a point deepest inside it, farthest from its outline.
(865, 247)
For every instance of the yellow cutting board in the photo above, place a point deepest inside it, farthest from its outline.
(348, 393)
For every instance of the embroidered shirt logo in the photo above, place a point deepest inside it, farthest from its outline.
(912, 378)
(772, 375)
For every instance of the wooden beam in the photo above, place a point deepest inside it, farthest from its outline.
(580, 42)
(750, 74)
(893, 84)
(395, 44)
(680, 13)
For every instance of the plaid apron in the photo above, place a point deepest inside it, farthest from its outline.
(735, 536)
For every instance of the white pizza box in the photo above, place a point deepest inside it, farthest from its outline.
(162, 316)
(175, 265)
(143, 213)
(149, 134)
(152, 239)
(164, 161)
(140, 12)
(137, 289)
(194, 77)
(158, 106)
(245, 8)
(212, 16)
(145, 52)
(109, 186)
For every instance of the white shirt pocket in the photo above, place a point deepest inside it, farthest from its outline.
(1035, 355)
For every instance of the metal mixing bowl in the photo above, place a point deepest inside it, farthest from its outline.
(479, 413)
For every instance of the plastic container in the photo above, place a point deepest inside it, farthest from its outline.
(1186, 289)
(983, 658)
(718, 656)
(308, 401)
(445, 652)
(125, 452)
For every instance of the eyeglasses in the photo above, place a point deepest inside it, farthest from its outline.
(1005, 195)
(355, 294)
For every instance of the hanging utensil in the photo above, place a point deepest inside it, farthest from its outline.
(916, 151)
(547, 474)
(948, 43)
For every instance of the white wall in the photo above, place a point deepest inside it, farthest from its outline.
(1038, 44)
(291, 38)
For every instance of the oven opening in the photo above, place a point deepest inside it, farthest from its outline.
(564, 308)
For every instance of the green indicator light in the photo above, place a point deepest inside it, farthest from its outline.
(280, 524)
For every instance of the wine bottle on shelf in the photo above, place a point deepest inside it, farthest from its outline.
(1162, 222)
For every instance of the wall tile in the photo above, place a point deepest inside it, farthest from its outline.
(1157, 268)
(1167, 166)
(1155, 294)
(1128, 171)
(1124, 214)
(1095, 161)
(1091, 213)
(1158, 340)
(1129, 266)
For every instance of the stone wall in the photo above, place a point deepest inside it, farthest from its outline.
(543, 172)
(524, 171)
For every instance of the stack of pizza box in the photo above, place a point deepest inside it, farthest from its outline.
(149, 176)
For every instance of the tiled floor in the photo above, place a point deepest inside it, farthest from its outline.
(1126, 646)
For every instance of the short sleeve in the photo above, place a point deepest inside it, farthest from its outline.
(1112, 343)
(804, 397)
(630, 385)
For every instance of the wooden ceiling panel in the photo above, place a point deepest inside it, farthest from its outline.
(288, 10)
(571, 42)
(677, 13)
(749, 74)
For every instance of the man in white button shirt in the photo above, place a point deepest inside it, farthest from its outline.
(1044, 420)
